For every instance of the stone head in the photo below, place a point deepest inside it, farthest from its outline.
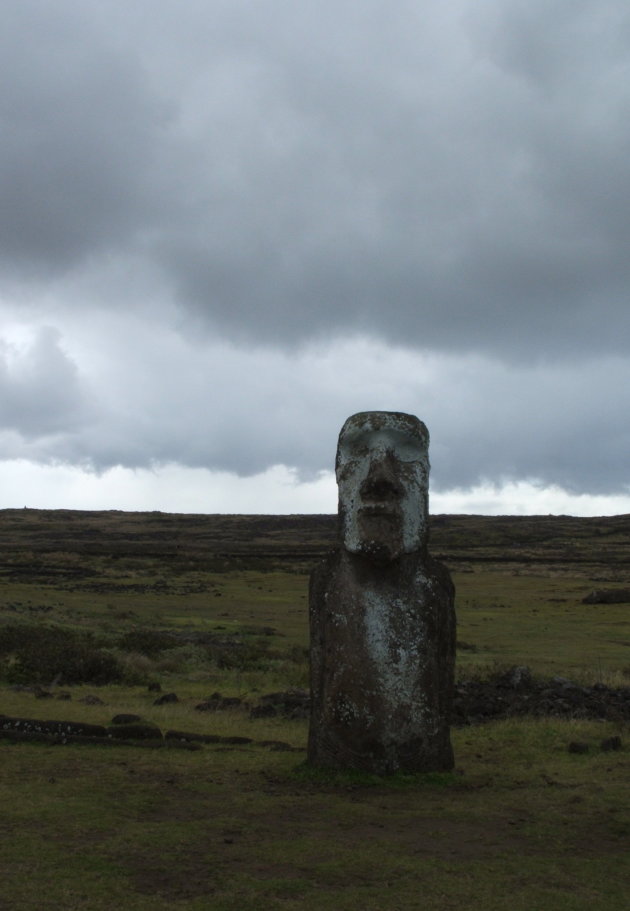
(382, 469)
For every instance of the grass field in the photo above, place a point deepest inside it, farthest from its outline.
(522, 823)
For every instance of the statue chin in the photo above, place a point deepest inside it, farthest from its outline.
(377, 536)
(378, 552)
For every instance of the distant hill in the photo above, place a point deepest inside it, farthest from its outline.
(298, 541)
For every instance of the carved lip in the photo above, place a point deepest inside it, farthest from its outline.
(378, 509)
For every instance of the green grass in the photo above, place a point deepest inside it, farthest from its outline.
(520, 824)
(539, 621)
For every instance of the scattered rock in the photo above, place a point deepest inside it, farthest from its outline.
(165, 698)
(577, 746)
(91, 700)
(516, 693)
(125, 719)
(277, 746)
(218, 703)
(290, 704)
(134, 732)
(263, 711)
(184, 745)
(154, 688)
(564, 682)
(608, 596)
(611, 743)
(205, 738)
(190, 737)
(516, 678)
(59, 728)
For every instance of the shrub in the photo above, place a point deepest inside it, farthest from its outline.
(136, 669)
(241, 655)
(183, 659)
(147, 641)
(46, 654)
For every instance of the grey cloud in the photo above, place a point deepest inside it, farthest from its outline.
(242, 410)
(558, 426)
(40, 391)
(294, 211)
(79, 127)
(451, 178)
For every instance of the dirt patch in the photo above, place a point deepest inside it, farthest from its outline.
(179, 874)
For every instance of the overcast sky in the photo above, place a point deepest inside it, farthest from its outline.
(226, 225)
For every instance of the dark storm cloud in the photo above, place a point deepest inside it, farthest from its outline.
(455, 178)
(80, 128)
(249, 220)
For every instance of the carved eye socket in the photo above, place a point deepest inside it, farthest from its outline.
(409, 450)
(352, 453)
(368, 443)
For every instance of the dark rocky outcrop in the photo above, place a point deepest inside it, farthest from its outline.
(289, 704)
(218, 703)
(165, 698)
(608, 596)
(125, 718)
(516, 692)
(56, 728)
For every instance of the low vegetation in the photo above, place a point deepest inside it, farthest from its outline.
(188, 623)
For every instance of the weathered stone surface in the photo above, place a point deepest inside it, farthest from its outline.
(381, 611)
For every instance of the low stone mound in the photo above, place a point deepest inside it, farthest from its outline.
(289, 704)
(608, 596)
(55, 728)
(219, 703)
(516, 692)
(139, 731)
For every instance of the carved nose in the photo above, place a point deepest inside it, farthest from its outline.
(382, 482)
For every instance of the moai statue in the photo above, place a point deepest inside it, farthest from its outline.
(381, 611)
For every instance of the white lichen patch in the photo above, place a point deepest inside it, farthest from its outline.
(394, 647)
